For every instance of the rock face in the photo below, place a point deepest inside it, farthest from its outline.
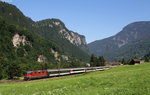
(58, 57)
(132, 41)
(73, 37)
(64, 57)
(41, 59)
(17, 40)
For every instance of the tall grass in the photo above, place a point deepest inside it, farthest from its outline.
(124, 80)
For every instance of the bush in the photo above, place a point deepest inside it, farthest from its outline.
(13, 70)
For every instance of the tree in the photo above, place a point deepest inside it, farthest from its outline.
(147, 59)
(123, 61)
(97, 61)
(20, 52)
(1, 71)
(3, 67)
(44, 65)
(102, 61)
(93, 60)
(13, 70)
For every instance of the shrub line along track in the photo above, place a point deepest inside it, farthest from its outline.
(88, 69)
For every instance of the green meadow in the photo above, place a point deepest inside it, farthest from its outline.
(123, 80)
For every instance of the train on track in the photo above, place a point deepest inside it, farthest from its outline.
(60, 72)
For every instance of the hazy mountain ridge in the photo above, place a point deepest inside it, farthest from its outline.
(132, 41)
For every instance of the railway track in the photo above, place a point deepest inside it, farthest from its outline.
(53, 77)
(102, 68)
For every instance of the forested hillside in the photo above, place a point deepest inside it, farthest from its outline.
(71, 43)
(21, 49)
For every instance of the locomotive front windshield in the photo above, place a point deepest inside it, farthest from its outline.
(28, 73)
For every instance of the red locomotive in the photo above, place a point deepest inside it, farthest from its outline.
(35, 74)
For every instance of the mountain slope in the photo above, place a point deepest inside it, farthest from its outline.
(13, 15)
(24, 48)
(132, 41)
(71, 43)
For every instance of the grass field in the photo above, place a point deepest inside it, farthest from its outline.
(124, 80)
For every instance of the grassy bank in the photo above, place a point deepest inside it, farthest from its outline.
(124, 80)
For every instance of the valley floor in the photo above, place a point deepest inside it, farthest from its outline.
(124, 80)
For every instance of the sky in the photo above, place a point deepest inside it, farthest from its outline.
(95, 19)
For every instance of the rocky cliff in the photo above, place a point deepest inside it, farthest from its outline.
(17, 40)
(72, 37)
